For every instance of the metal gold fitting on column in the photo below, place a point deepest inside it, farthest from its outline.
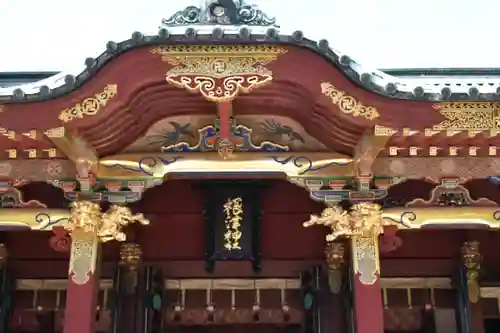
(471, 259)
(334, 258)
(130, 255)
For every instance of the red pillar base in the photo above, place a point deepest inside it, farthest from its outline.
(368, 307)
(82, 290)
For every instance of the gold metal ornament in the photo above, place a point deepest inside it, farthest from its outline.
(87, 217)
(471, 258)
(348, 104)
(219, 72)
(468, 116)
(89, 106)
(363, 224)
(334, 257)
(130, 255)
(84, 215)
(225, 148)
(114, 219)
(364, 220)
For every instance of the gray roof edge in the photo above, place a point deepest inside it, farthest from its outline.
(475, 87)
(234, 21)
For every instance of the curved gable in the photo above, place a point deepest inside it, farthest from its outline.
(123, 92)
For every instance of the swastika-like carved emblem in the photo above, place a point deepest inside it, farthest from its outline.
(219, 66)
(219, 72)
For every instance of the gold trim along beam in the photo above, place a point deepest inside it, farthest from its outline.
(404, 218)
(443, 217)
(157, 166)
(32, 219)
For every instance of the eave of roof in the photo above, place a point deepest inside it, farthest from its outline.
(14, 79)
(442, 72)
(410, 84)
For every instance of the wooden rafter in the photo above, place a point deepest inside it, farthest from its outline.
(78, 151)
(369, 147)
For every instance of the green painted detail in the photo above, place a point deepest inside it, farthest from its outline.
(308, 301)
(156, 302)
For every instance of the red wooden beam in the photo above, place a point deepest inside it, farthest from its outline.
(224, 110)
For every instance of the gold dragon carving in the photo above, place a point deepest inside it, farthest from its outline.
(88, 227)
(363, 224)
(219, 72)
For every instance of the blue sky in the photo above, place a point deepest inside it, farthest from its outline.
(58, 35)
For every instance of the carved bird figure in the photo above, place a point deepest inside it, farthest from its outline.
(286, 133)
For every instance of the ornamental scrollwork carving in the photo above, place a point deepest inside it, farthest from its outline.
(89, 106)
(468, 116)
(229, 12)
(219, 72)
(451, 194)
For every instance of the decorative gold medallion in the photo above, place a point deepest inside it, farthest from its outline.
(468, 116)
(348, 104)
(89, 106)
(219, 72)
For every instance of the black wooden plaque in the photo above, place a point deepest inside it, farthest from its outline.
(232, 215)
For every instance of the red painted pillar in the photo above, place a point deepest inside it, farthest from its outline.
(368, 308)
(83, 279)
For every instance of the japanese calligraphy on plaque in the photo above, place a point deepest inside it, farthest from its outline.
(233, 212)
(232, 215)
